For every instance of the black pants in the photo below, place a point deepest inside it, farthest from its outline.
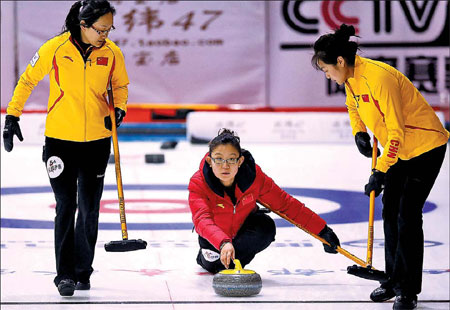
(256, 234)
(408, 184)
(76, 171)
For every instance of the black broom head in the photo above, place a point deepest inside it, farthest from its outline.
(125, 245)
(367, 273)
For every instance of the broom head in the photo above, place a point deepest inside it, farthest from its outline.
(125, 245)
(367, 273)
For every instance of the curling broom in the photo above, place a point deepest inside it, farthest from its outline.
(125, 244)
(368, 272)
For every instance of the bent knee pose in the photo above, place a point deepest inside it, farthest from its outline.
(223, 197)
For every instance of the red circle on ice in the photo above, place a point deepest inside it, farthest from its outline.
(144, 206)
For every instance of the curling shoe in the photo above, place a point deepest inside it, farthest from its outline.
(381, 294)
(83, 286)
(405, 302)
(66, 287)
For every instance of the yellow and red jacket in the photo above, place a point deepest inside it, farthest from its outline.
(77, 103)
(383, 99)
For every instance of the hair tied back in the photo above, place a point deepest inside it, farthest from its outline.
(82, 5)
(345, 32)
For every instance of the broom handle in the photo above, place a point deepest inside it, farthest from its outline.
(123, 222)
(372, 206)
(339, 249)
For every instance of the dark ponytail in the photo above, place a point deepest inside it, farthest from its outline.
(344, 33)
(89, 11)
(330, 46)
(225, 136)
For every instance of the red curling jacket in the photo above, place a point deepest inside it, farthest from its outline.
(216, 218)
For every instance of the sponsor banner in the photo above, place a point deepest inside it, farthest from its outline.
(268, 127)
(379, 23)
(242, 52)
(412, 36)
(210, 52)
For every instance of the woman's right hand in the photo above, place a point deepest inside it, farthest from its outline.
(11, 128)
(227, 254)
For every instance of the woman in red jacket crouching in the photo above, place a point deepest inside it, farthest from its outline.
(222, 196)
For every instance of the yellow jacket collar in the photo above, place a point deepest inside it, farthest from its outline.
(359, 67)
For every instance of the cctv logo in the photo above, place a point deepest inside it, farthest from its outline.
(418, 17)
(331, 11)
(392, 22)
(333, 16)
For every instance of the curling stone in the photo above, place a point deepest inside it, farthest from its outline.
(237, 282)
(168, 145)
(154, 158)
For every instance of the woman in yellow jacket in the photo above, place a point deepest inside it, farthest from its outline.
(80, 62)
(382, 99)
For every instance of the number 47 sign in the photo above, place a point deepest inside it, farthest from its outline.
(155, 17)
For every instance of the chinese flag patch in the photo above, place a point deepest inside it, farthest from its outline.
(102, 61)
(365, 98)
(247, 199)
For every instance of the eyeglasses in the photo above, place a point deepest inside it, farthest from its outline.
(104, 32)
(221, 161)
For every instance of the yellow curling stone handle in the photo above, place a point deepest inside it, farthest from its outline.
(237, 269)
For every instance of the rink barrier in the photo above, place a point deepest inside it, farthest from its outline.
(199, 123)
(272, 127)
(32, 126)
(325, 126)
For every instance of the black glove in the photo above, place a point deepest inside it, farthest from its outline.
(120, 114)
(362, 140)
(376, 182)
(11, 128)
(328, 234)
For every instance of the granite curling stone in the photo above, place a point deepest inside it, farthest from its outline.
(237, 282)
(154, 158)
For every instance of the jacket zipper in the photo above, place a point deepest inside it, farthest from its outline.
(232, 222)
(84, 102)
(83, 54)
(234, 212)
(84, 92)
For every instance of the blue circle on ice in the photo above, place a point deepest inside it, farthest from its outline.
(353, 207)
